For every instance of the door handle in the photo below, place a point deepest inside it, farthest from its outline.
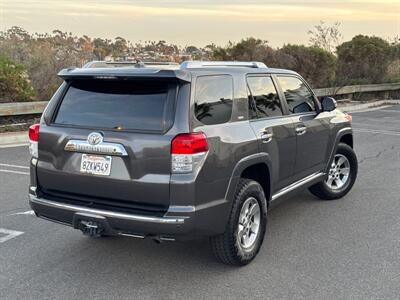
(266, 136)
(301, 129)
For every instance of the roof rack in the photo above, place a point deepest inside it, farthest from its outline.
(202, 64)
(133, 63)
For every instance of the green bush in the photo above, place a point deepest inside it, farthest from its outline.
(315, 64)
(14, 82)
(364, 59)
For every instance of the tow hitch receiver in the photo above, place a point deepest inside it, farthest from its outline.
(90, 224)
(91, 228)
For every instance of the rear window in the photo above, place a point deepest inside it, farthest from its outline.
(123, 105)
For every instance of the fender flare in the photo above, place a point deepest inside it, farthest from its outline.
(342, 132)
(241, 165)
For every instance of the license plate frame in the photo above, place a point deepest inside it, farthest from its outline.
(96, 164)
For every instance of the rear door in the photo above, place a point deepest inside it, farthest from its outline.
(273, 127)
(312, 130)
(108, 145)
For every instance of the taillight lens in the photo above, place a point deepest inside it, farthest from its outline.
(34, 132)
(189, 143)
(188, 151)
(34, 139)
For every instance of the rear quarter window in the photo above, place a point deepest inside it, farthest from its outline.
(130, 105)
(213, 99)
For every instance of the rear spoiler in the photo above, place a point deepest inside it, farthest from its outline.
(123, 73)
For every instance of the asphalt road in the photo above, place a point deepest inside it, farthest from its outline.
(342, 249)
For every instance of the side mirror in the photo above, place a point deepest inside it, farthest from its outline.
(328, 104)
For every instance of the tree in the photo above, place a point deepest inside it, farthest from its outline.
(119, 48)
(14, 82)
(248, 49)
(393, 71)
(364, 59)
(316, 65)
(325, 36)
(192, 50)
(101, 48)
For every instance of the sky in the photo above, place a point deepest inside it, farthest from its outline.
(201, 22)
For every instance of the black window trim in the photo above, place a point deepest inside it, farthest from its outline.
(193, 97)
(316, 102)
(172, 95)
(285, 111)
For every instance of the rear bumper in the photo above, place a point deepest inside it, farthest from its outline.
(179, 223)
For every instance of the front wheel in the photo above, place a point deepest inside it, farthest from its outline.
(341, 175)
(245, 231)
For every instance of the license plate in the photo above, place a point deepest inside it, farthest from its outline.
(95, 164)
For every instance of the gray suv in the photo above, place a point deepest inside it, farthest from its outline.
(185, 151)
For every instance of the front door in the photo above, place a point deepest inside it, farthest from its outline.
(312, 130)
(274, 128)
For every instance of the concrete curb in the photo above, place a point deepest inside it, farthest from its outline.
(367, 106)
(10, 139)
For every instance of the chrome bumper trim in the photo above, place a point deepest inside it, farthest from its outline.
(110, 214)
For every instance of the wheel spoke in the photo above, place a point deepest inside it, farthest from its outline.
(338, 182)
(341, 161)
(254, 210)
(241, 232)
(254, 227)
(345, 171)
(246, 208)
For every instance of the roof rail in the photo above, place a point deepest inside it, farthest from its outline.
(202, 64)
(133, 63)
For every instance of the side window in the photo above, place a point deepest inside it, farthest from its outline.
(265, 102)
(213, 99)
(297, 94)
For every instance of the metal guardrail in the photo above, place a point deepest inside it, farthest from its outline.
(22, 108)
(26, 108)
(353, 89)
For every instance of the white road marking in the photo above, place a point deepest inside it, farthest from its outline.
(28, 212)
(14, 172)
(368, 109)
(377, 121)
(389, 110)
(13, 166)
(10, 234)
(386, 132)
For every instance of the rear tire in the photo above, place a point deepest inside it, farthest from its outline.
(341, 175)
(244, 233)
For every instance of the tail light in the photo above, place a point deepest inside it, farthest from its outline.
(188, 151)
(34, 139)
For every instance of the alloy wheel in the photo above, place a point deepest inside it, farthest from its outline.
(249, 224)
(339, 172)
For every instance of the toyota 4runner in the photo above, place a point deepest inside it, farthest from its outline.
(173, 152)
